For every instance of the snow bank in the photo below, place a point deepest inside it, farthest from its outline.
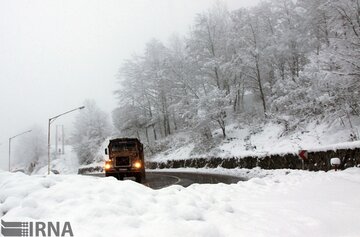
(238, 172)
(334, 147)
(285, 203)
(265, 140)
(66, 163)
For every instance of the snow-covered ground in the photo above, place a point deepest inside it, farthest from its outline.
(282, 203)
(238, 172)
(260, 141)
(66, 163)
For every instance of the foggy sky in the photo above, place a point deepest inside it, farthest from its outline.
(56, 54)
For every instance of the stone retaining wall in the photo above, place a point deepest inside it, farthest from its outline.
(86, 170)
(319, 160)
(316, 161)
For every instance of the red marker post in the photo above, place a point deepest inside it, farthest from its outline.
(303, 155)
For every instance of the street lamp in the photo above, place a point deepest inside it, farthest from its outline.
(10, 143)
(52, 120)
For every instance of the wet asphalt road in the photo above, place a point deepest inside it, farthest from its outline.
(160, 179)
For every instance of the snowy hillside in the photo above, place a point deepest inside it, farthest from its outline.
(285, 203)
(258, 140)
(275, 78)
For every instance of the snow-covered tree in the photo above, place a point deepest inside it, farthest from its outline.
(287, 59)
(91, 128)
(213, 108)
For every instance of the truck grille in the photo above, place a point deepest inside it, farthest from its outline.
(122, 161)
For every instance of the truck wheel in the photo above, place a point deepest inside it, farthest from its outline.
(138, 178)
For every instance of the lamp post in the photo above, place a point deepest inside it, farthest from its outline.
(10, 138)
(52, 120)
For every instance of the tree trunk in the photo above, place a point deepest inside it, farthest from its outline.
(164, 126)
(222, 126)
(217, 78)
(262, 96)
(168, 124)
(154, 131)
(147, 135)
(175, 124)
(235, 103)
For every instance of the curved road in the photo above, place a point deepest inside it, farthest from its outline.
(160, 179)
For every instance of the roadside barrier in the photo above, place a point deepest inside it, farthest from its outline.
(317, 160)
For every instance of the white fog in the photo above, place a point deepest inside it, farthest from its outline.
(56, 54)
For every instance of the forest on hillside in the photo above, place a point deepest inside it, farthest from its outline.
(286, 61)
(283, 62)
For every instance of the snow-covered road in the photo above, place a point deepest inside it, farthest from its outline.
(162, 178)
(284, 203)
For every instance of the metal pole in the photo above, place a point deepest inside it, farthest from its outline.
(53, 118)
(49, 146)
(49, 123)
(56, 140)
(63, 140)
(10, 144)
(9, 152)
(303, 164)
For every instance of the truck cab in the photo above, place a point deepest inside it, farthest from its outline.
(126, 159)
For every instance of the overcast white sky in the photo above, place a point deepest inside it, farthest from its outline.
(56, 54)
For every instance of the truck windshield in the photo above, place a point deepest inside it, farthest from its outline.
(123, 146)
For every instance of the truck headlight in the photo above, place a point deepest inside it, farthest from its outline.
(108, 165)
(137, 164)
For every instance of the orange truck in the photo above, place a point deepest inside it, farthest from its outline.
(126, 159)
